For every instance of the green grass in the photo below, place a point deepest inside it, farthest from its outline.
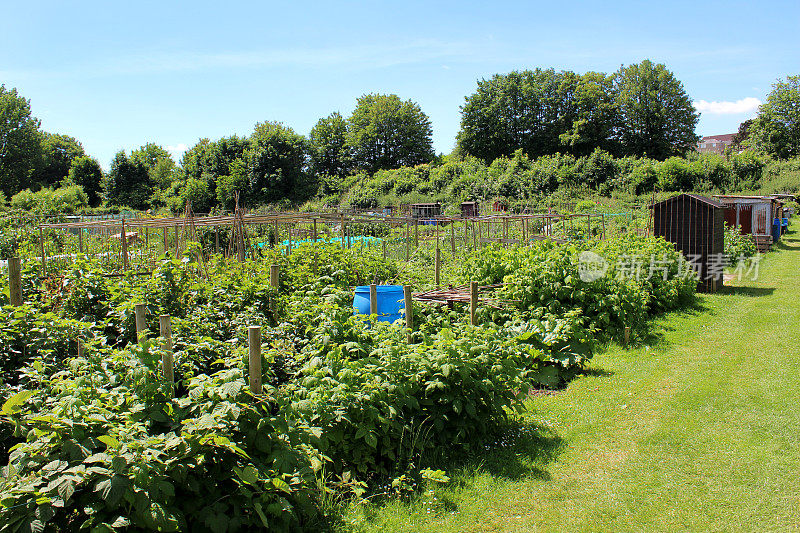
(700, 431)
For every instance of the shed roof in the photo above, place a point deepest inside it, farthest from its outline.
(702, 199)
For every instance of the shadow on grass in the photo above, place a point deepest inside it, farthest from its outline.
(746, 291)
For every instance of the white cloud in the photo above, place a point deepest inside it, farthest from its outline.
(177, 150)
(745, 105)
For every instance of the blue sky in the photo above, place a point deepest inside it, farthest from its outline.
(116, 75)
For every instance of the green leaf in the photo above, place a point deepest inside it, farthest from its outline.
(371, 439)
(109, 441)
(14, 404)
(248, 474)
(281, 485)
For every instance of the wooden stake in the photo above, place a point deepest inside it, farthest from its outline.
(473, 302)
(409, 303)
(275, 276)
(124, 246)
(453, 237)
(166, 240)
(80, 240)
(15, 280)
(437, 266)
(627, 335)
(80, 347)
(383, 242)
(314, 246)
(167, 361)
(41, 249)
(416, 233)
(408, 242)
(373, 299)
(141, 323)
(216, 240)
(254, 345)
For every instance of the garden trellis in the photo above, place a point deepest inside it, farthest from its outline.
(137, 243)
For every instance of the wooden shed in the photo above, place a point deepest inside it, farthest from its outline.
(696, 225)
(469, 209)
(428, 210)
(753, 215)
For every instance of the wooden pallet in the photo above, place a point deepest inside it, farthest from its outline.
(763, 242)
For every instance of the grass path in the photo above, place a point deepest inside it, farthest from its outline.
(700, 432)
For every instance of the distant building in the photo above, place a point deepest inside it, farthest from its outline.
(715, 144)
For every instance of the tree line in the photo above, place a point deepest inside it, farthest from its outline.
(640, 111)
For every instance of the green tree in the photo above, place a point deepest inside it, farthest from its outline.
(385, 132)
(657, 116)
(329, 152)
(742, 135)
(274, 167)
(58, 153)
(209, 161)
(86, 172)
(524, 110)
(128, 182)
(596, 121)
(20, 147)
(776, 129)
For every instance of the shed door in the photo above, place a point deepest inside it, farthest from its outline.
(761, 220)
(730, 216)
(746, 219)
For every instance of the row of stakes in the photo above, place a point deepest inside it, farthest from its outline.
(253, 332)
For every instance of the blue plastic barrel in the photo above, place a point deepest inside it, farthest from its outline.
(390, 302)
(776, 230)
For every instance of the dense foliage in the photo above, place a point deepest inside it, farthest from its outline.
(100, 441)
(776, 129)
(641, 110)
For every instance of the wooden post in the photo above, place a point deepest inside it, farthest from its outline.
(437, 266)
(166, 240)
(314, 246)
(275, 276)
(275, 283)
(416, 233)
(141, 324)
(79, 342)
(80, 240)
(341, 219)
(41, 249)
(167, 361)
(409, 308)
(453, 237)
(473, 302)
(216, 240)
(383, 242)
(15, 280)
(474, 235)
(525, 230)
(603, 220)
(254, 345)
(289, 232)
(408, 242)
(177, 242)
(627, 335)
(373, 299)
(124, 246)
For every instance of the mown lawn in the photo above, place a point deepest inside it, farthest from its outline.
(699, 431)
